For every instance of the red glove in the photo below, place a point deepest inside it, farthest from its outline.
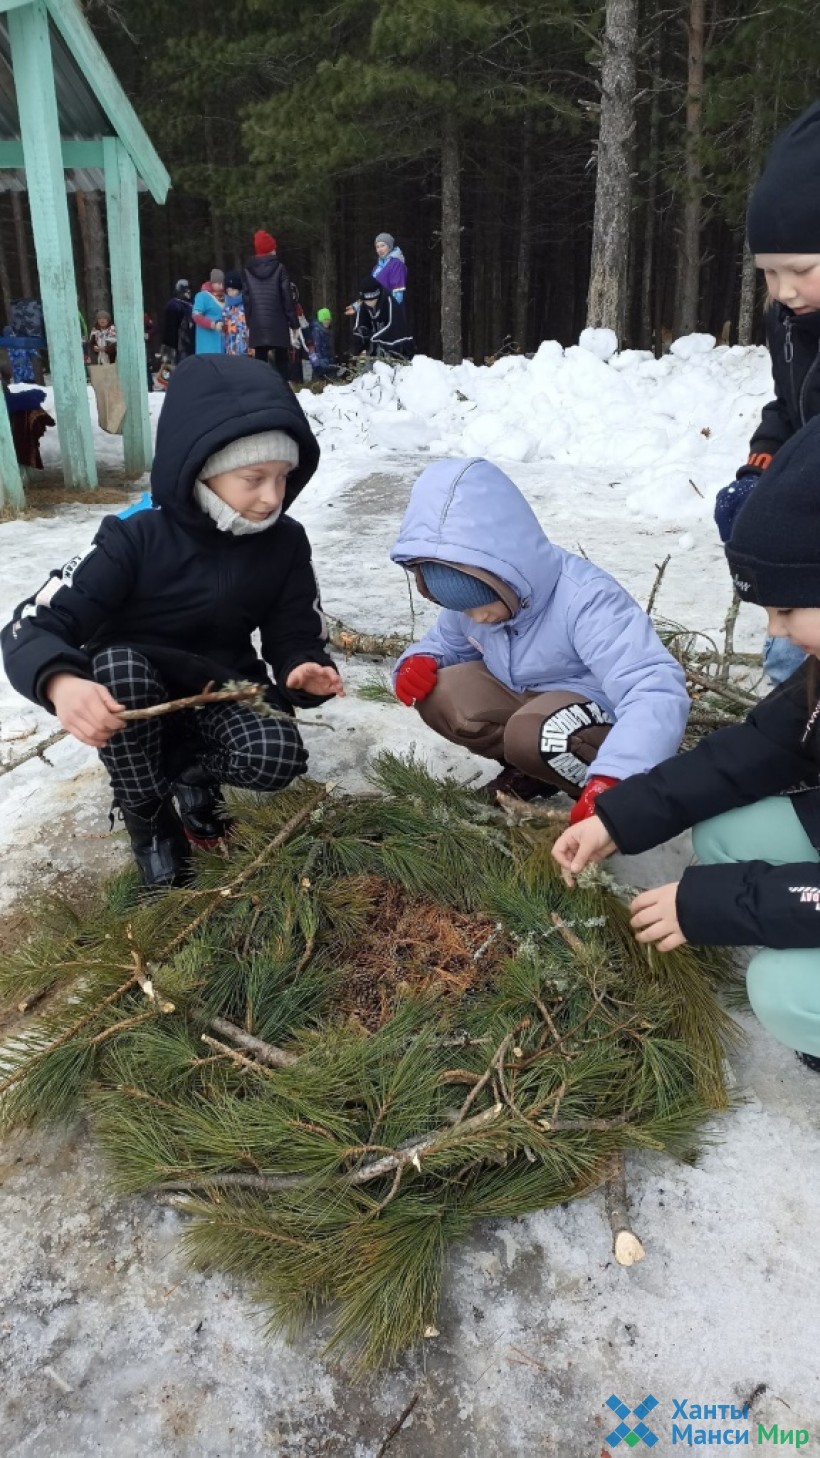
(416, 678)
(585, 804)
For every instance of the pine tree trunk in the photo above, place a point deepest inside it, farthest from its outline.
(324, 267)
(607, 297)
(451, 342)
(650, 215)
(92, 232)
(748, 275)
(523, 282)
(689, 241)
(21, 234)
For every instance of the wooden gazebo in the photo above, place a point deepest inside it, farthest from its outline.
(62, 107)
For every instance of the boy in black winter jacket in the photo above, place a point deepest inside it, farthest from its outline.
(750, 791)
(783, 228)
(166, 601)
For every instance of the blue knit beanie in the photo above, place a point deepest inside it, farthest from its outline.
(455, 590)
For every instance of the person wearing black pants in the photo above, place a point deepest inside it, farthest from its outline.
(270, 308)
(276, 356)
(166, 602)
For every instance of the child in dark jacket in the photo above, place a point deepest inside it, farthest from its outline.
(166, 601)
(750, 791)
(783, 229)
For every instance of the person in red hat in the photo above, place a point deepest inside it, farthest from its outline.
(269, 307)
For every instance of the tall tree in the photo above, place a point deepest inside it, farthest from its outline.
(607, 297)
(688, 292)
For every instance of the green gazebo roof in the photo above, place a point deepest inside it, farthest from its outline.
(91, 104)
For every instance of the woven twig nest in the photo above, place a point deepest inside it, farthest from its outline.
(381, 1018)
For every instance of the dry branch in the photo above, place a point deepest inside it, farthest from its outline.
(264, 1052)
(37, 752)
(519, 810)
(370, 645)
(238, 694)
(626, 1246)
(656, 585)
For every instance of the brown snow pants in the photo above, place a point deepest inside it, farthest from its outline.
(537, 733)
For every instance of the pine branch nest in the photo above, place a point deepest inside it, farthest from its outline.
(382, 1019)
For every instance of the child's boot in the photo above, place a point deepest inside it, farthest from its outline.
(516, 783)
(158, 843)
(196, 796)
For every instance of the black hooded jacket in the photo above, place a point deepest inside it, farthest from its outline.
(794, 345)
(773, 752)
(269, 307)
(167, 582)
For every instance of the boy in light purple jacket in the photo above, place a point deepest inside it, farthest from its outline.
(539, 660)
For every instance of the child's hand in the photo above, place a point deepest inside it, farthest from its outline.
(655, 917)
(314, 678)
(416, 678)
(84, 708)
(582, 844)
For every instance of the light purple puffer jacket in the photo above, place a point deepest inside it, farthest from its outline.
(577, 629)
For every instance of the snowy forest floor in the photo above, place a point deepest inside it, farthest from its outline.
(111, 1347)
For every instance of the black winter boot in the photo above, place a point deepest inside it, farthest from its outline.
(196, 796)
(516, 783)
(810, 1060)
(158, 844)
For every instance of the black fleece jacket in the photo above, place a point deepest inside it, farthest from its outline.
(166, 582)
(269, 306)
(794, 345)
(773, 752)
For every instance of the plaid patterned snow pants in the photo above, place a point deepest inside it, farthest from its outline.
(230, 742)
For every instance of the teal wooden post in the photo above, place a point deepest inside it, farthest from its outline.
(126, 296)
(39, 125)
(11, 481)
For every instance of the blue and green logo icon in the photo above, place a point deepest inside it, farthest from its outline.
(640, 1433)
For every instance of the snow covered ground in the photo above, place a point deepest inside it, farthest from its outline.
(109, 1346)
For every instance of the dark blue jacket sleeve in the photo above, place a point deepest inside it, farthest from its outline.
(751, 904)
(295, 631)
(47, 631)
(764, 755)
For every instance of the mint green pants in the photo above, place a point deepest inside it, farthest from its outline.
(783, 986)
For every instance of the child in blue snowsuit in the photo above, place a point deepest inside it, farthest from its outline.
(539, 659)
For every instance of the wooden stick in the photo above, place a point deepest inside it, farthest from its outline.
(265, 1053)
(656, 585)
(245, 693)
(371, 645)
(398, 1425)
(409, 1153)
(238, 1058)
(626, 1246)
(37, 752)
(518, 810)
(497, 1058)
(729, 638)
(569, 936)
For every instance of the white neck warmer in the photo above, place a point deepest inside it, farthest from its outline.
(226, 519)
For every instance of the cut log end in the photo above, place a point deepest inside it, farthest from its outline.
(627, 1248)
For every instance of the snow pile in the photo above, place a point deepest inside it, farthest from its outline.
(672, 430)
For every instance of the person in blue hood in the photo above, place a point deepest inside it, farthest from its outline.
(167, 601)
(539, 660)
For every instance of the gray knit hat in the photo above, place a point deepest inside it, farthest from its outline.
(217, 276)
(386, 238)
(252, 450)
